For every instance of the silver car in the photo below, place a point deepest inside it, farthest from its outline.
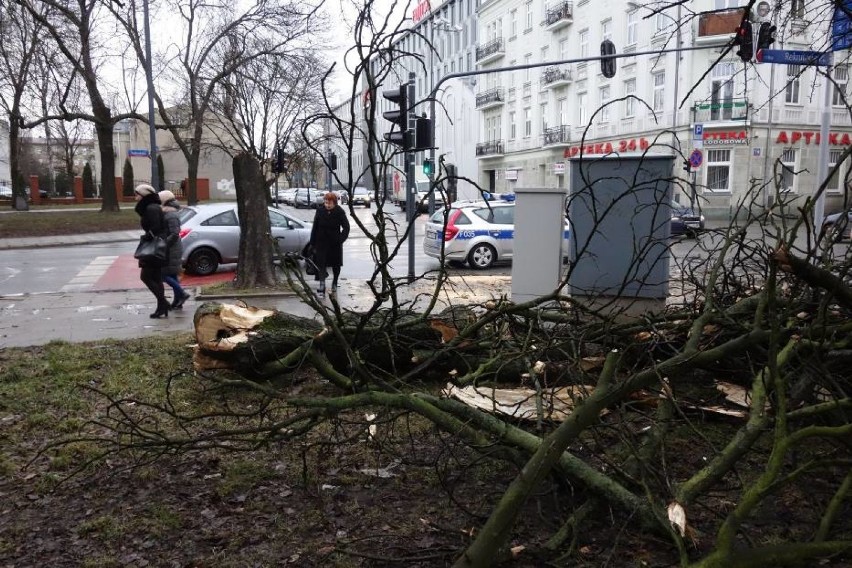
(477, 232)
(210, 235)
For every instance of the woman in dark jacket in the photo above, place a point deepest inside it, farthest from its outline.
(152, 221)
(331, 228)
(171, 270)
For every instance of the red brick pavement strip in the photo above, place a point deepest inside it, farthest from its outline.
(123, 274)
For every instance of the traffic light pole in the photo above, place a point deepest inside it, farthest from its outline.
(410, 184)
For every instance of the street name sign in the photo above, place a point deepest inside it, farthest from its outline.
(138, 153)
(793, 57)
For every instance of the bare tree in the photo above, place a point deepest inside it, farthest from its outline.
(18, 52)
(215, 42)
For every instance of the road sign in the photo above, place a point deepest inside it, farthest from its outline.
(841, 27)
(138, 153)
(698, 132)
(793, 57)
(696, 158)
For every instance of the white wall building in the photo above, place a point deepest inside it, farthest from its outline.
(533, 121)
(451, 27)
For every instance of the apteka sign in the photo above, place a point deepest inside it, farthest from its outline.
(423, 7)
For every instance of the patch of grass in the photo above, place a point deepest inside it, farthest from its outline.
(70, 222)
(228, 288)
(105, 527)
(242, 475)
(164, 520)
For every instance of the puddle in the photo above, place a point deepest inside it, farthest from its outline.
(84, 309)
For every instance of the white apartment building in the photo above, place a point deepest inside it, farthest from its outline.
(534, 121)
(451, 27)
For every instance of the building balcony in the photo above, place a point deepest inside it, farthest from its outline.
(724, 110)
(555, 76)
(490, 98)
(490, 148)
(557, 135)
(717, 27)
(490, 51)
(559, 16)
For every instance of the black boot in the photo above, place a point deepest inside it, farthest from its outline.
(177, 304)
(162, 309)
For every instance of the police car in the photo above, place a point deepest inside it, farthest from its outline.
(478, 232)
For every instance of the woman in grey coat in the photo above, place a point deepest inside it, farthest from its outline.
(171, 270)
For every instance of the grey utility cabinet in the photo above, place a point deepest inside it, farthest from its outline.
(619, 208)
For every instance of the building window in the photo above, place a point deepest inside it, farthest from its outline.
(512, 63)
(529, 16)
(543, 111)
(528, 70)
(604, 98)
(834, 181)
(841, 78)
(797, 8)
(659, 90)
(632, 27)
(527, 122)
(661, 22)
(513, 128)
(544, 51)
(723, 4)
(794, 76)
(606, 30)
(629, 102)
(563, 49)
(584, 43)
(788, 169)
(581, 109)
(722, 92)
(719, 170)
(563, 112)
(513, 23)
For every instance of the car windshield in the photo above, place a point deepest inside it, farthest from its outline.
(360, 191)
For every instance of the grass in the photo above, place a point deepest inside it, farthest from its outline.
(66, 222)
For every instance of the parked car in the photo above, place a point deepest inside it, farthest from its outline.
(476, 232)
(361, 196)
(685, 221)
(284, 196)
(319, 197)
(210, 235)
(342, 196)
(305, 197)
(838, 226)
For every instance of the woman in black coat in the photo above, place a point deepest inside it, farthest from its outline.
(152, 221)
(331, 228)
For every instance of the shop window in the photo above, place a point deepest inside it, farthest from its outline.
(719, 170)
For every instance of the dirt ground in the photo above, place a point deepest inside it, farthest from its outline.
(405, 495)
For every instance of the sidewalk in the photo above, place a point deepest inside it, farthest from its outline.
(65, 240)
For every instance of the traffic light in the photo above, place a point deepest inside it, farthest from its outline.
(765, 35)
(687, 166)
(279, 161)
(422, 133)
(332, 161)
(744, 38)
(428, 167)
(608, 63)
(399, 134)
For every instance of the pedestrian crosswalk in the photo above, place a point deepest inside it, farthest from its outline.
(89, 276)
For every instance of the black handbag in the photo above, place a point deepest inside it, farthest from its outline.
(308, 256)
(152, 249)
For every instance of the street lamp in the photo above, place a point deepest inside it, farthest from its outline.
(152, 130)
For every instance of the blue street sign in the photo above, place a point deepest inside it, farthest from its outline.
(793, 57)
(698, 132)
(138, 153)
(841, 27)
(696, 158)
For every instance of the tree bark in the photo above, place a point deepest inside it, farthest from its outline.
(257, 245)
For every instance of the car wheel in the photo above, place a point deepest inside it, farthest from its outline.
(202, 262)
(481, 256)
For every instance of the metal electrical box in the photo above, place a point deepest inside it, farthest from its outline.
(538, 242)
(620, 213)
